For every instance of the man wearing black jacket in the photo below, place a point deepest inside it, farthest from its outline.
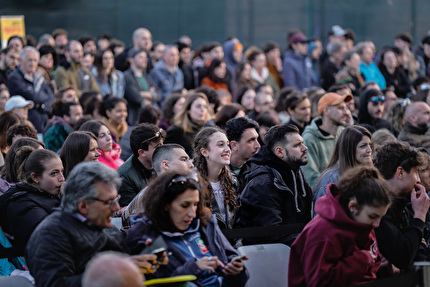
(403, 232)
(276, 192)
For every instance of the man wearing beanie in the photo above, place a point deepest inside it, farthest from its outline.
(321, 135)
(370, 109)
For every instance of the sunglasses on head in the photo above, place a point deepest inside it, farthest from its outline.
(377, 99)
(156, 136)
(181, 179)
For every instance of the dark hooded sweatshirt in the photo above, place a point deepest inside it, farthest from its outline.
(274, 195)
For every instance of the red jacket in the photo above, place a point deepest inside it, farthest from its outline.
(333, 249)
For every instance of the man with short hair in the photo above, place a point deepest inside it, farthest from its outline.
(402, 233)
(276, 192)
(9, 60)
(67, 95)
(62, 125)
(242, 134)
(416, 129)
(166, 75)
(136, 171)
(299, 108)
(321, 135)
(61, 245)
(139, 89)
(329, 68)
(263, 101)
(72, 73)
(61, 39)
(113, 269)
(297, 68)
(29, 83)
(166, 157)
(19, 131)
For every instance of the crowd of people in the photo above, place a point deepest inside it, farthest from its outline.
(179, 144)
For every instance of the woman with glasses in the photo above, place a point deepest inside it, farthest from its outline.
(79, 146)
(338, 247)
(174, 211)
(352, 148)
(109, 151)
(110, 81)
(190, 119)
(370, 108)
(27, 203)
(212, 158)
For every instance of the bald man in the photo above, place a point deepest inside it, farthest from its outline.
(416, 129)
(112, 269)
(142, 40)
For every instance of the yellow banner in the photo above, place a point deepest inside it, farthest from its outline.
(11, 26)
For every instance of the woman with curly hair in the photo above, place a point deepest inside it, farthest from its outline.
(212, 157)
(174, 214)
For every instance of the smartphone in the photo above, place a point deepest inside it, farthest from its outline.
(157, 247)
(239, 258)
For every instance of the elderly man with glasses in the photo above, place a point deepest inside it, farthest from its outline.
(65, 241)
(137, 169)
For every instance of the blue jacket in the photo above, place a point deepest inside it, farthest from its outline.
(34, 89)
(212, 237)
(297, 71)
(372, 73)
(166, 82)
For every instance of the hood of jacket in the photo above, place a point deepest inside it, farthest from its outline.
(329, 208)
(313, 129)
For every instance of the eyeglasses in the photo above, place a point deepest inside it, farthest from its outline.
(377, 99)
(156, 136)
(180, 179)
(111, 203)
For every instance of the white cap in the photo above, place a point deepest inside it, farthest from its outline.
(18, 102)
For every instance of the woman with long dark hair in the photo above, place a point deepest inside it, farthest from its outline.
(175, 213)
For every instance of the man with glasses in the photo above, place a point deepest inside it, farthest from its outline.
(370, 110)
(321, 135)
(263, 101)
(65, 241)
(137, 169)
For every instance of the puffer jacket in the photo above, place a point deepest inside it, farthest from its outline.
(22, 208)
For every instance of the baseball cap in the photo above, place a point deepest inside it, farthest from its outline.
(17, 102)
(298, 38)
(336, 30)
(331, 99)
(133, 52)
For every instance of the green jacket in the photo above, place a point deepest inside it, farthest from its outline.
(320, 149)
(134, 178)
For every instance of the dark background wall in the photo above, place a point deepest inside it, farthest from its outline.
(253, 21)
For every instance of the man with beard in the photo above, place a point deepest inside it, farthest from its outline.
(276, 191)
(416, 129)
(73, 74)
(370, 110)
(321, 135)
